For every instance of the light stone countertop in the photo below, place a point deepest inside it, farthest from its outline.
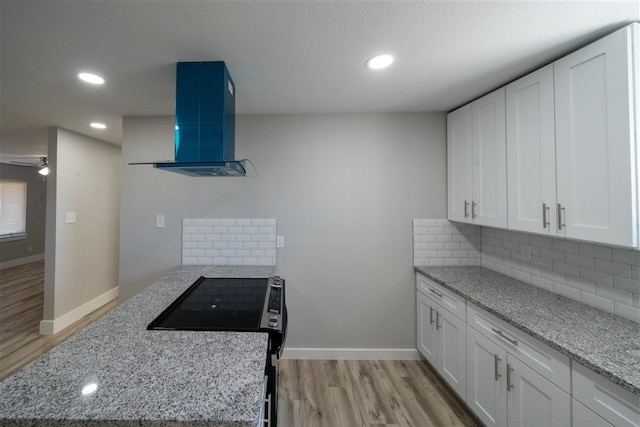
(603, 342)
(144, 378)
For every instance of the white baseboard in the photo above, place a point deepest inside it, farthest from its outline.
(21, 261)
(49, 327)
(352, 353)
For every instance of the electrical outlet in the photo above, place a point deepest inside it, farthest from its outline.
(525, 252)
(159, 221)
(70, 217)
(279, 241)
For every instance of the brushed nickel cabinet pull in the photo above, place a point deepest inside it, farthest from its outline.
(501, 334)
(509, 385)
(431, 315)
(560, 210)
(496, 368)
(545, 210)
(466, 205)
(436, 292)
(473, 209)
(437, 320)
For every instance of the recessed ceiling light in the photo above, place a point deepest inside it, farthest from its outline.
(379, 61)
(97, 125)
(91, 78)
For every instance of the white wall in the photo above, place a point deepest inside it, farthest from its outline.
(81, 259)
(344, 190)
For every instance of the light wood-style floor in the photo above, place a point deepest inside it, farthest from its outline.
(348, 393)
(342, 393)
(21, 305)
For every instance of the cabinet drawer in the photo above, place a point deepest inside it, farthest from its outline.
(448, 300)
(613, 403)
(583, 416)
(550, 363)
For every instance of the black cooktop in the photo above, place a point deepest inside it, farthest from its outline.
(216, 304)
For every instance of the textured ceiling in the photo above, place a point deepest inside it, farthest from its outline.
(285, 57)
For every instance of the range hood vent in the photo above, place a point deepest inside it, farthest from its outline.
(205, 123)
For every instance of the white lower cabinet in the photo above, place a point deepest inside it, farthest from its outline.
(507, 377)
(441, 340)
(503, 390)
(583, 416)
(616, 405)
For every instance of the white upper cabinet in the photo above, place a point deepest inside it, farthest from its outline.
(531, 153)
(596, 147)
(476, 162)
(459, 163)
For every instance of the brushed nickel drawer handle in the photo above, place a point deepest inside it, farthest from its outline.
(496, 368)
(430, 315)
(501, 334)
(436, 292)
(437, 320)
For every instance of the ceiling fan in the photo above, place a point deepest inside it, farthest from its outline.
(43, 164)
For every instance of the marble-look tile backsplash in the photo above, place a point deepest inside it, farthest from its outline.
(228, 241)
(601, 276)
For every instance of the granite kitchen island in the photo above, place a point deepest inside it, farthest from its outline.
(141, 377)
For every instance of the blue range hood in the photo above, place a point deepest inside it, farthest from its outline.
(205, 123)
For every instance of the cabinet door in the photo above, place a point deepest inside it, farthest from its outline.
(595, 146)
(486, 385)
(427, 338)
(452, 354)
(531, 153)
(533, 400)
(489, 160)
(459, 164)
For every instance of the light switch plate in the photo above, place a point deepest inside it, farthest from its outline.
(70, 217)
(279, 241)
(159, 221)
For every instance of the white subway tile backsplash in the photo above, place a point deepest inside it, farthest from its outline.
(580, 260)
(627, 311)
(624, 283)
(604, 277)
(228, 241)
(615, 294)
(626, 256)
(597, 276)
(597, 301)
(581, 285)
(595, 251)
(567, 291)
(613, 267)
(438, 242)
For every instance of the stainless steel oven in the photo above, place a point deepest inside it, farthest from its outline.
(235, 304)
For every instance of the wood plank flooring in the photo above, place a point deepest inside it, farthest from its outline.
(348, 393)
(21, 305)
(313, 393)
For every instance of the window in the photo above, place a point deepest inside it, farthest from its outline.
(13, 208)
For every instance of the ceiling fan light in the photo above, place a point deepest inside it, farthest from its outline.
(44, 171)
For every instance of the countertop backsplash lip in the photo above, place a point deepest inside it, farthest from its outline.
(601, 341)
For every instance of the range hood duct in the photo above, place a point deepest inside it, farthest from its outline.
(205, 123)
